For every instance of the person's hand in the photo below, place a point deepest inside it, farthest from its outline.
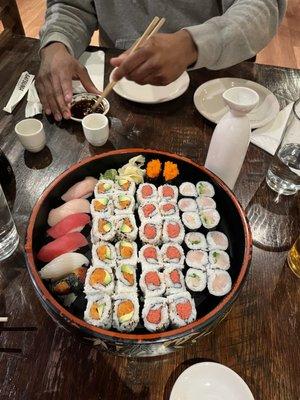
(161, 60)
(54, 80)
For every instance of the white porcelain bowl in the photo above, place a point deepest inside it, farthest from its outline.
(88, 96)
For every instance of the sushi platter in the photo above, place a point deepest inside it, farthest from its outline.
(134, 244)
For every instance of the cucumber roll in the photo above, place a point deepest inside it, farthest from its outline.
(104, 187)
(127, 252)
(99, 311)
(103, 229)
(196, 259)
(124, 203)
(210, 218)
(174, 280)
(168, 210)
(187, 204)
(155, 314)
(217, 240)
(145, 192)
(125, 185)
(168, 193)
(125, 312)
(191, 220)
(103, 253)
(173, 231)
(182, 309)
(205, 189)
(219, 259)
(99, 280)
(102, 206)
(150, 232)
(195, 241)
(126, 227)
(188, 189)
(205, 202)
(126, 278)
(150, 257)
(172, 253)
(195, 279)
(218, 282)
(152, 283)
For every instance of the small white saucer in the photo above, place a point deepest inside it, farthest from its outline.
(210, 381)
(150, 94)
(209, 102)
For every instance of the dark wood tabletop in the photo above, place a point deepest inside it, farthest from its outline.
(259, 339)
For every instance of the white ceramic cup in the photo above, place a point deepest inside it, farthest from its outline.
(31, 134)
(96, 129)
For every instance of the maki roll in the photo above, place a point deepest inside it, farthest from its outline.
(196, 259)
(125, 312)
(205, 189)
(102, 206)
(145, 192)
(219, 259)
(205, 202)
(188, 189)
(191, 220)
(173, 231)
(126, 185)
(217, 240)
(168, 210)
(150, 232)
(174, 280)
(149, 210)
(172, 253)
(124, 203)
(103, 253)
(195, 279)
(155, 314)
(99, 311)
(168, 193)
(209, 218)
(149, 257)
(182, 309)
(152, 283)
(126, 278)
(103, 229)
(104, 187)
(187, 204)
(127, 251)
(218, 282)
(73, 282)
(195, 241)
(126, 227)
(99, 279)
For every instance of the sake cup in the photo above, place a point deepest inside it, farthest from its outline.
(96, 129)
(31, 134)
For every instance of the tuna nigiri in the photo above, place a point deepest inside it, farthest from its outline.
(63, 265)
(65, 244)
(82, 189)
(70, 207)
(72, 223)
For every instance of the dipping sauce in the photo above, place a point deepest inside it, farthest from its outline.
(84, 107)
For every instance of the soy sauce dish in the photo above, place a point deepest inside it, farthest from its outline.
(82, 104)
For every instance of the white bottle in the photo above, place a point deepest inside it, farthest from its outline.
(230, 140)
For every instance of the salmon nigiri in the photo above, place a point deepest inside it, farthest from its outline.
(72, 223)
(70, 207)
(82, 189)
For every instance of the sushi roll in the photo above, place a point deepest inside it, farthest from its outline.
(168, 193)
(126, 185)
(187, 204)
(182, 309)
(124, 203)
(149, 257)
(188, 189)
(126, 278)
(145, 192)
(205, 202)
(125, 312)
(195, 241)
(104, 187)
(152, 283)
(219, 259)
(103, 229)
(191, 220)
(205, 189)
(127, 252)
(149, 211)
(172, 253)
(99, 311)
(126, 227)
(102, 206)
(174, 280)
(150, 232)
(99, 279)
(217, 240)
(218, 282)
(155, 314)
(73, 282)
(103, 253)
(209, 218)
(173, 231)
(195, 279)
(168, 210)
(196, 259)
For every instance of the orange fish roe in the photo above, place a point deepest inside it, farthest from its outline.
(153, 169)
(170, 171)
(124, 308)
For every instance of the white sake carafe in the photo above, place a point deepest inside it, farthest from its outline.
(231, 137)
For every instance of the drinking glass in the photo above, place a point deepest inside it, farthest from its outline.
(294, 258)
(283, 175)
(9, 238)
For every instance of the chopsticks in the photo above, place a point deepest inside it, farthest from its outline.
(152, 28)
(3, 319)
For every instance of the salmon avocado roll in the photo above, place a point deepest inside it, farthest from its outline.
(126, 227)
(127, 251)
(124, 203)
(126, 185)
(104, 187)
(125, 312)
(182, 309)
(99, 280)
(99, 311)
(126, 278)
(155, 314)
(102, 206)
(103, 253)
(103, 229)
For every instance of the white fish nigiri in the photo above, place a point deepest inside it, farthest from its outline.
(70, 207)
(63, 265)
(82, 189)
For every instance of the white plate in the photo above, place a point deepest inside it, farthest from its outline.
(209, 102)
(150, 94)
(210, 381)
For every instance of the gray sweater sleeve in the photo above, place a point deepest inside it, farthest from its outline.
(239, 34)
(71, 22)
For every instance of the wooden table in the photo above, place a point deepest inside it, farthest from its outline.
(260, 337)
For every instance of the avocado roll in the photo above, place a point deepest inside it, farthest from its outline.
(102, 206)
(124, 203)
(196, 259)
(73, 282)
(103, 229)
(219, 259)
(218, 282)
(172, 253)
(168, 193)
(149, 211)
(195, 279)
(126, 227)
(155, 314)
(173, 231)
(205, 189)
(209, 218)
(104, 187)
(168, 210)
(195, 241)
(99, 280)
(99, 311)
(152, 283)
(217, 240)
(150, 257)
(126, 278)
(146, 192)
(187, 204)
(174, 280)
(125, 185)
(191, 220)
(182, 309)
(127, 251)
(188, 189)
(125, 312)
(205, 202)
(150, 232)
(103, 253)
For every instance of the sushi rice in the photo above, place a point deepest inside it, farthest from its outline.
(205, 189)
(196, 259)
(99, 279)
(125, 312)
(195, 241)
(98, 311)
(152, 283)
(195, 279)
(182, 309)
(217, 240)
(188, 189)
(218, 282)
(219, 259)
(155, 314)
(174, 280)
(210, 218)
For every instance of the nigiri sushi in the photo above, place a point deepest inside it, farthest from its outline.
(70, 207)
(82, 189)
(63, 265)
(72, 223)
(64, 244)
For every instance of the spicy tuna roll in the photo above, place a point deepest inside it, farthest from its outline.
(209, 218)
(195, 241)
(149, 257)
(217, 240)
(187, 204)
(103, 229)
(104, 187)
(126, 227)
(173, 231)
(152, 283)
(172, 253)
(182, 309)
(195, 279)
(125, 312)
(102, 206)
(218, 282)
(155, 314)
(205, 202)
(174, 280)
(124, 203)
(196, 259)
(205, 189)
(168, 210)
(125, 185)
(191, 220)
(127, 251)
(126, 278)
(149, 210)
(150, 232)
(99, 280)
(219, 259)
(145, 192)
(99, 311)
(188, 189)
(168, 193)
(103, 253)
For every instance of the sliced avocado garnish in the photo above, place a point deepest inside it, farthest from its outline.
(126, 317)
(107, 186)
(195, 241)
(107, 279)
(103, 200)
(107, 227)
(123, 197)
(126, 269)
(108, 253)
(125, 228)
(216, 255)
(122, 181)
(201, 188)
(100, 308)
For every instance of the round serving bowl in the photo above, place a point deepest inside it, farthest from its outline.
(88, 96)
(210, 310)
